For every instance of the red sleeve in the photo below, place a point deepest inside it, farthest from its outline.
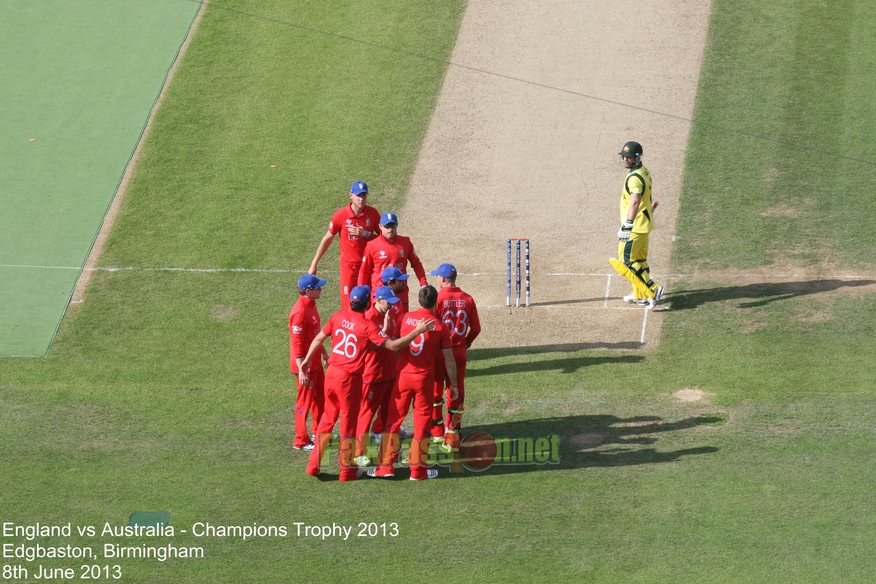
(375, 222)
(417, 265)
(327, 329)
(366, 268)
(375, 334)
(296, 335)
(395, 318)
(336, 222)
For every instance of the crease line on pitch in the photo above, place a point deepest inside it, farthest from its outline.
(644, 325)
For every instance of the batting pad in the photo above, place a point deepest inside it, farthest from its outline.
(637, 282)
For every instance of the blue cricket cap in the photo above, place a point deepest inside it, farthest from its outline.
(360, 295)
(311, 282)
(388, 219)
(386, 293)
(393, 273)
(359, 188)
(445, 271)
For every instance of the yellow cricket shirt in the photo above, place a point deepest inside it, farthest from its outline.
(638, 181)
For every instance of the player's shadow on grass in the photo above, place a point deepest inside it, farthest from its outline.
(563, 365)
(591, 441)
(760, 294)
(544, 360)
(570, 365)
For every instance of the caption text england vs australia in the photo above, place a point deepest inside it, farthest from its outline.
(27, 545)
(30, 533)
(27, 548)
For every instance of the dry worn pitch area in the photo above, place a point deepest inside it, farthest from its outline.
(537, 102)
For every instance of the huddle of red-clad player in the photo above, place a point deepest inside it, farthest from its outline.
(383, 359)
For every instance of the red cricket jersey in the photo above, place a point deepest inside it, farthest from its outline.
(352, 336)
(380, 362)
(303, 327)
(380, 254)
(353, 246)
(418, 358)
(458, 312)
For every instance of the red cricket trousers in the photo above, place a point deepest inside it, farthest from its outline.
(453, 419)
(375, 399)
(343, 395)
(310, 399)
(379, 424)
(413, 390)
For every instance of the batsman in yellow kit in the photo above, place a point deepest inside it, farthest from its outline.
(637, 221)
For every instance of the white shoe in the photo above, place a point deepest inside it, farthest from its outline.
(431, 473)
(631, 299)
(363, 460)
(305, 448)
(652, 302)
(405, 434)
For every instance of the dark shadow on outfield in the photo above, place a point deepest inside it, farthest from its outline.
(545, 360)
(759, 294)
(476, 354)
(588, 441)
(563, 365)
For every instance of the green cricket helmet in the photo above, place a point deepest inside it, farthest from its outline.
(631, 150)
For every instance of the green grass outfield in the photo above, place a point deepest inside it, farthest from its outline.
(169, 390)
(78, 81)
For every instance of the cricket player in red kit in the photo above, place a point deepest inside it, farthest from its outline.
(390, 250)
(393, 279)
(380, 368)
(357, 224)
(304, 325)
(352, 336)
(416, 383)
(458, 311)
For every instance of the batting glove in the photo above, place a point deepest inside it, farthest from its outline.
(623, 234)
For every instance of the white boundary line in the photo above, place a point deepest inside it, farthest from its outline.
(302, 271)
(556, 307)
(133, 269)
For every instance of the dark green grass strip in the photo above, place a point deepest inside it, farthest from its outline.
(748, 202)
(799, 74)
(77, 85)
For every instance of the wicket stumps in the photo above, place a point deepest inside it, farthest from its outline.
(517, 241)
